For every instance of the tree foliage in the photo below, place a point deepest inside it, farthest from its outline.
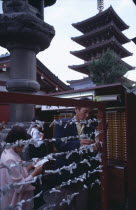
(107, 69)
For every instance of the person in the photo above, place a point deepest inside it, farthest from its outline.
(68, 129)
(38, 149)
(34, 131)
(16, 174)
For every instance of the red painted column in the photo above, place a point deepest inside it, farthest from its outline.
(102, 137)
(4, 113)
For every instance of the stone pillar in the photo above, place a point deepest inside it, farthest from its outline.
(22, 78)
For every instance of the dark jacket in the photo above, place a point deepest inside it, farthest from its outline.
(68, 129)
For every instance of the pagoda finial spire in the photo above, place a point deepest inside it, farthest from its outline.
(100, 5)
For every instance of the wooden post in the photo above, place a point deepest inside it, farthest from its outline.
(131, 152)
(102, 137)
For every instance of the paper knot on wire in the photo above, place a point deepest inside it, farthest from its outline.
(68, 198)
(37, 123)
(55, 122)
(2, 124)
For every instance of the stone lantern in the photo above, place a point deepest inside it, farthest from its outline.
(24, 33)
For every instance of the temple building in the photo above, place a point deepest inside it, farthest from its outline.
(100, 32)
(49, 83)
(82, 83)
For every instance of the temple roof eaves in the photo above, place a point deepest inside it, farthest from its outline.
(82, 39)
(79, 25)
(83, 68)
(102, 45)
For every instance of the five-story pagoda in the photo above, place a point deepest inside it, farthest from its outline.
(100, 32)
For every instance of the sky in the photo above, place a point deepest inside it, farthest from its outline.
(61, 15)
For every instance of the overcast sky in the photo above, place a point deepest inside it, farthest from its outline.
(65, 12)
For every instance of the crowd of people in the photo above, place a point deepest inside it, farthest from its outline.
(79, 134)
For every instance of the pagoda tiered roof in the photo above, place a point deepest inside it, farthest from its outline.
(83, 68)
(95, 50)
(102, 33)
(101, 19)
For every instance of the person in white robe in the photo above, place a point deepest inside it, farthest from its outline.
(11, 195)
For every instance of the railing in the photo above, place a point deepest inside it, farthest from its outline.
(20, 98)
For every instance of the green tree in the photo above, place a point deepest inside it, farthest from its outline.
(107, 69)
